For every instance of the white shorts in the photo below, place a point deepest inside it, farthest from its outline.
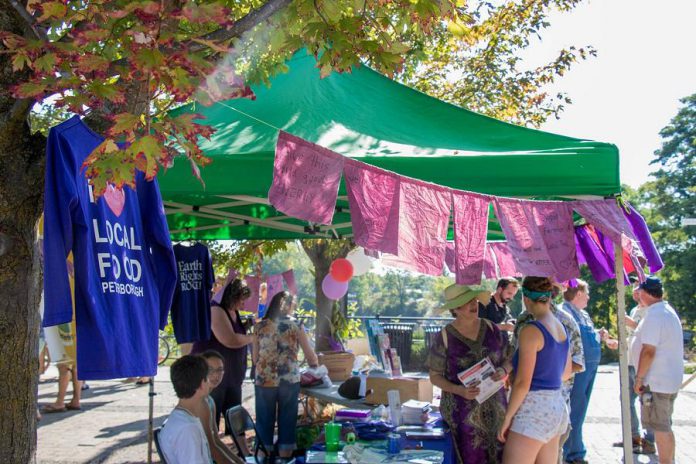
(542, 415)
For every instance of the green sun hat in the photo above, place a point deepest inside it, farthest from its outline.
(458, 295)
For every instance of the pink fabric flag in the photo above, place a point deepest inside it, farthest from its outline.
(470, 229)
(540, 236)
(373, 196)
(449, 257)
(251, 304)
(305, 179)
(489, 268)
(506, 265)
(606, 216)
(289, 277)
(274, 286)
(424, 212)
(231, 275)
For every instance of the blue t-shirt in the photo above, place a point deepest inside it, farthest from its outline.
(191, 305)
(125, 270)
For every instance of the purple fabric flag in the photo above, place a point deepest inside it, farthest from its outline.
(470, 229)
(505, 261)
(274, 286)
(606, 216)
(640, 230)
(289, 277)
(305, 179)
(251, 304)
(424, 211)
(373, 196)
(540, 236)
(592, 244)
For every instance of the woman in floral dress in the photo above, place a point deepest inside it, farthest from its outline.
(463, 343)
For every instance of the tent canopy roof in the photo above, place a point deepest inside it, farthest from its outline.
(369, 117)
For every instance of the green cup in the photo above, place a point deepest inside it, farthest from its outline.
(332, 432)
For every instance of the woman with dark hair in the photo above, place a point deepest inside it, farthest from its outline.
(278, 339)
(537, 413)
(229, 338)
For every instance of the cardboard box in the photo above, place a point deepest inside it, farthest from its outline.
(410, 388)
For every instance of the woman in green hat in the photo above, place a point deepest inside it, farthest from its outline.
(463, 343)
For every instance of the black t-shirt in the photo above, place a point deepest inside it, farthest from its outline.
(494, 312)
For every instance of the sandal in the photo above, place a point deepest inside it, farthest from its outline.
(70, 407)
(51, 408)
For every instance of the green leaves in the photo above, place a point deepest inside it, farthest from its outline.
(52, 10)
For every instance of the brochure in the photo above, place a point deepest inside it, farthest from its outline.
(481, 375)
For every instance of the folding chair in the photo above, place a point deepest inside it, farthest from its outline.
(157, 445)
(240, 421)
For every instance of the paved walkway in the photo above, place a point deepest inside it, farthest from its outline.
(112, 426)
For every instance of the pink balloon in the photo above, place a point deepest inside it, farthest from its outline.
(332, 289)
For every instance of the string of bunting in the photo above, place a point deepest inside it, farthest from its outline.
(406, 219)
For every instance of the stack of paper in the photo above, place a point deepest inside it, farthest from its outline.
(415, 412)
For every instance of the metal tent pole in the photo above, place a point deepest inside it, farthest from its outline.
(150, 423)
(623, 352)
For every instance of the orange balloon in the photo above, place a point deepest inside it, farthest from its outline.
(341, 270)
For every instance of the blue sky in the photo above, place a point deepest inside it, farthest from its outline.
(646, 62)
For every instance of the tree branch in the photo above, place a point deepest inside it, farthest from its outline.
(248, 21)
(29, 20)
(242, 25)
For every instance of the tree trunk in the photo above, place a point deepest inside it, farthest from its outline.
(21, 200)
(322, 253)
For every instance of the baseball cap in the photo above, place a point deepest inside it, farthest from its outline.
(651, 283)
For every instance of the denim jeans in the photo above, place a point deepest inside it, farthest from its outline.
(574, 448)
(281, 401)
(635, 423)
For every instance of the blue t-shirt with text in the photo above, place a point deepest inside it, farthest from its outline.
(124, 265)
(191, 305)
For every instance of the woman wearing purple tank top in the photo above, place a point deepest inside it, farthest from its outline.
(537, 414)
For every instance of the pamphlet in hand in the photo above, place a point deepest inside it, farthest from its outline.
(481, 375)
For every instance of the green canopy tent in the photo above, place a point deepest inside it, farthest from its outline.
(371, 118)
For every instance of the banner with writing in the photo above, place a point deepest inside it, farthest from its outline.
(305, 179)
(424, 212)
(540, 236)
(606, 216)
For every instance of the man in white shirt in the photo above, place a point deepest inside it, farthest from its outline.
(658, 351)
(641, 444)
(182, 438)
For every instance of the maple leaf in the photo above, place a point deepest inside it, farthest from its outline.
(20, 61)
(51, 10)
(90, 62)
(149, 59)
(107, 91)
(147, 151)
(124, 123)
(108, 164)
(205, 13)
(45, 63)
(30, 89)
(12, 41)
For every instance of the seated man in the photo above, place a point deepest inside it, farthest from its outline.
(182, 438)
(206, 413)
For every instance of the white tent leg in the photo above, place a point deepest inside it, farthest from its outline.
(623, 352)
